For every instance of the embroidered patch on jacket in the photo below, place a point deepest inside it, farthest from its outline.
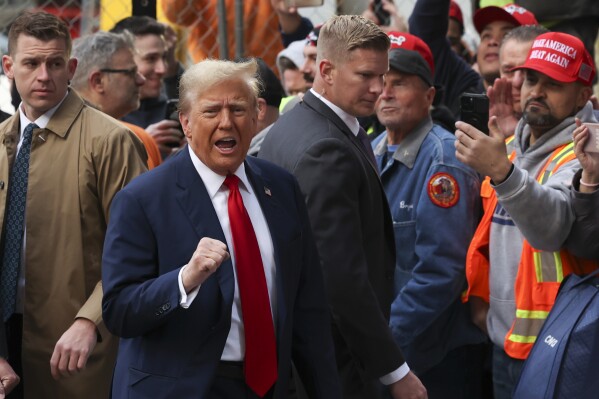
(443, 190)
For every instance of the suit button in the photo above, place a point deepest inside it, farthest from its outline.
(1, 184)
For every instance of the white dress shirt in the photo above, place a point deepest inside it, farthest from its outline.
(354, 126)
(219, 193)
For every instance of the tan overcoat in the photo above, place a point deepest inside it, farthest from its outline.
(78, 163)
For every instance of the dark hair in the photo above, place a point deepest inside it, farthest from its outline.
(525, 33)
(40, 25)
(139, 26)
(285, 63)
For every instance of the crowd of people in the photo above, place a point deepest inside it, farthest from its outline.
(317, 222)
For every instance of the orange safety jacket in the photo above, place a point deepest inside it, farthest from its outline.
(539, 272)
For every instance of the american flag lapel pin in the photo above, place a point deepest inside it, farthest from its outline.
(267, 191)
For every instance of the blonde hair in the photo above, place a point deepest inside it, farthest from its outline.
(200, 77)
(344, 33)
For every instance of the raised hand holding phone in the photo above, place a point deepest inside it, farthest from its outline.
(486, 154)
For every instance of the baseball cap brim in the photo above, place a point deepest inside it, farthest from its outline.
(542, 68)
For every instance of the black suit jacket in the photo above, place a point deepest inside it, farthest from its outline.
(353, 228)
(166, 351)
(3, 348)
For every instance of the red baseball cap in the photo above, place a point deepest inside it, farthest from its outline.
(511, 13)
(562, 57)
(455, 12)
(406, 41)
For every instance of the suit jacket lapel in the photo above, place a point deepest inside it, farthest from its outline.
(271, 208)
(317, 105)
(193, 197)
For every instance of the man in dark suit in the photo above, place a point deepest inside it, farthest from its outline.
(176, 264)
(322, 144)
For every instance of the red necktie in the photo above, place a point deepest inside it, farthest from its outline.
(260, 345)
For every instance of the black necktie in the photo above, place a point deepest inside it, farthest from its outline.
(15, 225)
(367, 146)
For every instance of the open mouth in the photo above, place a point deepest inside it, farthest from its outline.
(226, 144)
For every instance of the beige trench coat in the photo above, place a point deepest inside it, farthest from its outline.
(77, 165)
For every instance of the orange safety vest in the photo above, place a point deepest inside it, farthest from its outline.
(539, 272)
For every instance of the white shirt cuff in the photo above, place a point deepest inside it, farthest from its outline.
(186, 299)
(396, 375)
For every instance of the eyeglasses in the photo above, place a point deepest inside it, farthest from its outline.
(130, 72)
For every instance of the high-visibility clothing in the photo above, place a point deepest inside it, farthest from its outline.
(539, 272)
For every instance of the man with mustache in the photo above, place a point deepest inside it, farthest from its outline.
(309, 68)
(516, 259)
(504, 94)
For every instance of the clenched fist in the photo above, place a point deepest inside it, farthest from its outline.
(206, 259)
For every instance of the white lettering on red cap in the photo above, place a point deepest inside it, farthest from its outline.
(555, 45)
(550, 57)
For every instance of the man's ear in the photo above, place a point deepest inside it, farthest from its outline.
(185, 124)
(261, 109)
(326, 70)
(584, 95)
(7, 64)
(430, 95)
(96, 81)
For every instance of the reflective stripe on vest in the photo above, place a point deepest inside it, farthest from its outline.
(548, 268)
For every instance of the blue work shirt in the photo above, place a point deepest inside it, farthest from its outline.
(435, 205)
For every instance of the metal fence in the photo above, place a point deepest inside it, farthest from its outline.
(260, 32)
(191, 18)
(260, 38)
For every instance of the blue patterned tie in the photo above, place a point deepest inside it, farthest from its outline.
(15, 225)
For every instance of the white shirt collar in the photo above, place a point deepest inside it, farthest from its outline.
(43, 120)
(350, 120)
(212, 180)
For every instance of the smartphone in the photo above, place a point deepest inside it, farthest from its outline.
(172, 109)
(592, 144)
(475, 110)
(304, 3)
(172, 113)
(383, 16)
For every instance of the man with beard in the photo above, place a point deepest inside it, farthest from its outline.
(516, 259)
(504, 95)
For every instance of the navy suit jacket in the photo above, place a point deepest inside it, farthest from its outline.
(166, 351)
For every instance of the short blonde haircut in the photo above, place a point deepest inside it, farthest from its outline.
(200, 77)
(344, 33)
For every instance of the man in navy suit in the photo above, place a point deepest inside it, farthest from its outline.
(172, 274)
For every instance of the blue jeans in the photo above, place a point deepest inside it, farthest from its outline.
(506, 373)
